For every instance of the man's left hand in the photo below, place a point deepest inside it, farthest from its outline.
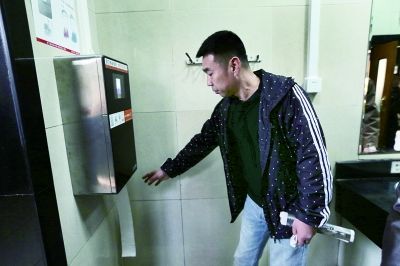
(303, 231)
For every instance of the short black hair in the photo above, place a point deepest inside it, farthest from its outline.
(224, 45)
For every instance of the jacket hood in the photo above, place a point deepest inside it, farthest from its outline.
(274, 87)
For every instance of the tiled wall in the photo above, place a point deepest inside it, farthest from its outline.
(186, 221)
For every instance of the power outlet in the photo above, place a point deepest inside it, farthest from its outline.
(395, 169)
(312, 84)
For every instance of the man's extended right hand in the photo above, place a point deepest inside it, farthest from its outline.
(155, 176)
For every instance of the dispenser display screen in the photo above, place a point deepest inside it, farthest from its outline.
(119, 86)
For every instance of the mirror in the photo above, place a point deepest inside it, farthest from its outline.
(380, 125)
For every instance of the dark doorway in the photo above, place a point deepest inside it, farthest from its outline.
(30, 231)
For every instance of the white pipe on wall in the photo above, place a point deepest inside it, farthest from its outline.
(312, 80)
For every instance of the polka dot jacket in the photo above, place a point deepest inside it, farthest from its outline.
(295, 168)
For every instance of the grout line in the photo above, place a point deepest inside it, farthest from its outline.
(183, 234)
(179, 199)
(180, 190)
(130, 11)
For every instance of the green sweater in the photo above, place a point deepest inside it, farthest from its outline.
(243, 139)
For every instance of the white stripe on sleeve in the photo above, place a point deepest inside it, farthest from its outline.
(320, 147)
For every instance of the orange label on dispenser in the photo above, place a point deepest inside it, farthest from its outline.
(128, 115)
(114, 65)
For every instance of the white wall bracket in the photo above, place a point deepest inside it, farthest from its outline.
(197, 61)
(312, 82)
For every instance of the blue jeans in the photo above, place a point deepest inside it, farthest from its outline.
(254, 235)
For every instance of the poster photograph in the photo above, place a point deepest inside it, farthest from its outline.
(56, 24)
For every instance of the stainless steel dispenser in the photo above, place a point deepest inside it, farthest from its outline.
(96, 112)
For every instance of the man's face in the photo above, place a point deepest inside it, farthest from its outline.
(219, 78)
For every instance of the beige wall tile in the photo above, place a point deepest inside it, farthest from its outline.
(343, 51)
(288, 41)
(103, 6)
(341, 2)
(93, 32)
(189, 5)
(223, 5)
(280, 3)
(91, 5)
(342, 135)
(210, 238)
(206, 179)
(135, 39)
(155, 139)
(48, 91)
(188, 124)
(190, 30)
(158, 233)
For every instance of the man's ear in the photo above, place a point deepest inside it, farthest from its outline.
(235, 65)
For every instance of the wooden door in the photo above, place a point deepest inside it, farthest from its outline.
(386, 51)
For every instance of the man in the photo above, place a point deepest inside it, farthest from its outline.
(391, 234)
(273, 152)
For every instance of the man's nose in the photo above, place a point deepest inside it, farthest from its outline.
(209, 82)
